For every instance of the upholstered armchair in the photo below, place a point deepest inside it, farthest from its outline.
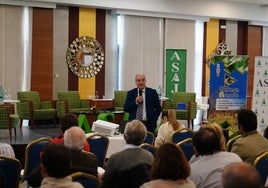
(32, 108)
(8, 119)
(185, 105)
(69, 101)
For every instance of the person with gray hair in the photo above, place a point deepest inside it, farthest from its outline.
(132, 165)
(241, 175)
(74, 139)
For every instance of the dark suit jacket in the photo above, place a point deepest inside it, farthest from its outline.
(80, 161)
(152, 105)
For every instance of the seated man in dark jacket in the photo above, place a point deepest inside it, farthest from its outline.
(131, 166)
(74, 138)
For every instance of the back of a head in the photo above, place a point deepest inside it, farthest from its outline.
(219, 132)
(247, 119)
(67, 121)
(74, 138)
(242, 175)
(170, 163)
(206, 141)
(56, 158)
(172, 119)
(164, 113)
(135, 132)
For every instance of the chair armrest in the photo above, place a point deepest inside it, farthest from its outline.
(25, 109)
(5, 115)
(9, 107)
(192, 109)
(62, 107)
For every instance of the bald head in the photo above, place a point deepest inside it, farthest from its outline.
(74, 138)
(140, 81)
(241, 175)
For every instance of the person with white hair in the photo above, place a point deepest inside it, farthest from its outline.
(74, 139)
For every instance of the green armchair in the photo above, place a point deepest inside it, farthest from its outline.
(69, 101)
(32, 108)
(187, 100)
(8, 119)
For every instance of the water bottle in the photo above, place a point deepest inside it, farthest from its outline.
(159, 91)
(1, 94)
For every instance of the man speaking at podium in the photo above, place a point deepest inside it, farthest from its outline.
(142, 103)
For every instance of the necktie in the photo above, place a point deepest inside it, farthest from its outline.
(139, 114)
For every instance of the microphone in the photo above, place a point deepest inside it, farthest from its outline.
(140, 92)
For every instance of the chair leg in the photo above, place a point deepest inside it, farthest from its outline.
(21, 121)
(189, 123)
(32, 124)
(15, 132)
(10, 134)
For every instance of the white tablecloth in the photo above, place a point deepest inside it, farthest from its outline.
(116, 144)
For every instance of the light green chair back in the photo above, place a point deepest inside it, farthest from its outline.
(189, 99)
(69, 101)
(72, 97)
(29, 96)
(119, 100)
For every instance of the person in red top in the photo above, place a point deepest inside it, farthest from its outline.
(67, 121)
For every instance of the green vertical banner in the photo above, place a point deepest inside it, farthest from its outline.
(175, 71)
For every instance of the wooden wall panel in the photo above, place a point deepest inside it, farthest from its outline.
(100, 37)
(42, 53)
(73, 34)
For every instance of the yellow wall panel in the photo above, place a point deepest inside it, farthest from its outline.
(87, 27)
(212, 40)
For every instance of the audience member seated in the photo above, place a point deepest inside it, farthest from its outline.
(55, 165)
(67, 121)
(242, 175)
(165, 131)
(133, 160)
(6, 150)
(164, 116)
(171, 164)
(74, 138)
(218, 130)
(161, 184)
(207, 170)
(252, 143)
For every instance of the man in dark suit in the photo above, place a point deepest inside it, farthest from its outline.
(145, 98)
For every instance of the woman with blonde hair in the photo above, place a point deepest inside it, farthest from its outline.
(217, 128)
(165, 131)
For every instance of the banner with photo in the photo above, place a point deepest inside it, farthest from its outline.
(260, 97)
(228, 90)
(175, 71)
